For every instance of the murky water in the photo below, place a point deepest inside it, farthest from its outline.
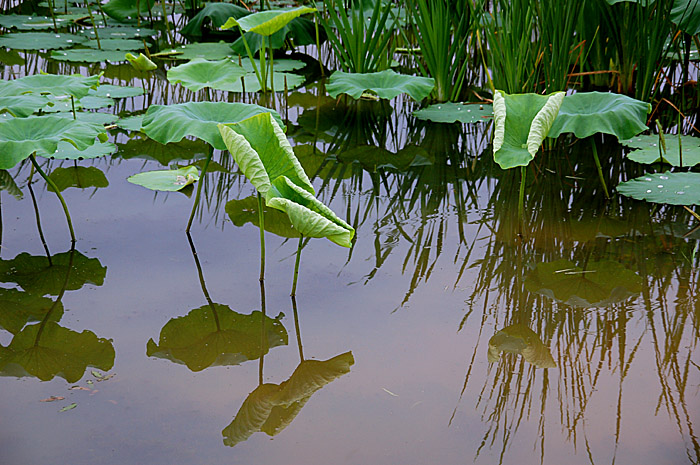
(463, 333)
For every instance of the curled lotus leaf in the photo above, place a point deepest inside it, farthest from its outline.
(141, 62)
(267, 22)
(166, 180)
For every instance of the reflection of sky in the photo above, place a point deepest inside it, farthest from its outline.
(158, 412)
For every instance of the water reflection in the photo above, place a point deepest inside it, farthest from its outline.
(519, 339)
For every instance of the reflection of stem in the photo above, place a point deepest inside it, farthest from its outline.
(58, 194)
(202, 283)
(38, 219)
(296, 267)
(261, 223)
(296, 328)
(263, 342)
(58, 298)
(199, 188)
(521, 196)
(599, 168)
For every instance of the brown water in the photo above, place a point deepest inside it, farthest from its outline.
(567, 336)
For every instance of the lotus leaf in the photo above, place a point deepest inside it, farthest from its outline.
(171, 123)
(587, 113)
(519, 339)
(125, 10)
(63, 103)
(649, 150)
(88, 116)
(373, 158)
(166, 180)
(131, 123)
(601, 284)
(263, 154)
(148, 149)
(31, 22)
(280, 64)
(522, 121)
(34, 274)
(39, 40)
(55, 351)
(246, 211)
(7, 183)
(385, 84)
(686, 14)
(121, 32)
(300, 31)
(81, 177)
(215, 335)
(253, 85)
(205, 50)
(141, 62)
(198, 74)
(450, 112)
(18, 308)
(66, 151)
(116, 44)
(213, 14)
(670, 188)
(22, 105)
(271, 407)
(111, 91)
(76, 85)
(20, 137)
(267, 22)
(90, 102)
(88, 55)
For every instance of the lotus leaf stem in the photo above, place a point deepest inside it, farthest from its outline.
(58, 194)
(296, 267)
(38, 217)
(600, 169)
(199, 190)
(521, 196)
(263, 342)
(261, 223)
(296, 328)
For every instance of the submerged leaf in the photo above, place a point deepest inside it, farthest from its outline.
(385, 84)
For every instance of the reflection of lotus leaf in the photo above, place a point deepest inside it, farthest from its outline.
(270, 408)
(372, 157)
(215, 335)
(34, 274)
(49, 350)
(17, 308)
(164, 154)
(246, 211)
(81, 177)
(519, 339)
(599, 285)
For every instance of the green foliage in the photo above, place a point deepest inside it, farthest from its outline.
(450, 112)
(670, 188)
(649, 150)
(385, 84)
(166, 180)
(198, 74)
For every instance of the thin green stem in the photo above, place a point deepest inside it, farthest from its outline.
(54, 187)
(272, 61)
(263, 339)
(296, 329)
(38, 217)
(261, 223)
(600, 169)
(296, 267)
(199, 189)
(252, 60)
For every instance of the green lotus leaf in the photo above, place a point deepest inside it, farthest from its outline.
(588, 113)
(263, 153)
(34, 274)
(279, 64)
(309, 215)
(63, 103)
(116, 44)
(31, 22)
(66, 151)
(7, 183)
(81, 177)
(76, 85)
(315, 163)
(215, 335)
(49, 350)
(686, 14)
(650, 151)
(522, 121)
(141, 62)
(11, 58)
(90, 102)
(601, 284)
(88, 55)
(519, 339)
(267, 22)
(111, 91)
(171, 123)
(450, 112)
(20, 137)
(40, 40)
(385, 84)
(88, 116)
(205, 50)
(670, 188)
(198, 74)
(126, 10)
(271, 407)
(246, 211)
(166, 180)
(300, 31)
(213, 15)
(18, 308)
(121, 32)
(22, 105)
(251, 83)
(131, 123)
(165, 154)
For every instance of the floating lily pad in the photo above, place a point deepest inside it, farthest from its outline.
(131, 123)
(66, 151)
(171, 123)
(670, 188)
(450, 112)
(601, 284)
(127, 10)
(121, 32)
(22, 105)
(205, 50)
(588, 113)
(88, 55)
(34, 274)
(81, 177)
(31, 22)
(215, 335)
(88, 116)
(385, 84)
(199, 73)
(18, 308)
(55, 351)
(649, 150)
(166, 180)
(141, 62)
(76, 85)
(40, 40)
(91, 102)
(111, 91)
(116, 44)
(520, 339)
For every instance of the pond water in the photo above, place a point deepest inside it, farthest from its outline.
(459, 332)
